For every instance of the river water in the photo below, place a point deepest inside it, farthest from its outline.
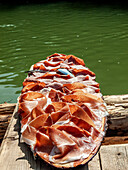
(96, 33)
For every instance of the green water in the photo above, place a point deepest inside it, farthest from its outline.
(96, 33)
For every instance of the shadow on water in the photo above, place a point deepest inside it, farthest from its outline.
(122, 4)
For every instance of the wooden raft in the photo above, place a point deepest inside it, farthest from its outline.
(17, 156)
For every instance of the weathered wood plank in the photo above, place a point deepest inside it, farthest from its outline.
(94, 164)
(117, 106)
(114, 157)
(114, 99)
(118, 116)
(115, 140)
(7, 108)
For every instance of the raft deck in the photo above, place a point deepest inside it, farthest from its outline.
(113, 153)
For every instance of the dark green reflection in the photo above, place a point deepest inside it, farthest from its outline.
(96, 33)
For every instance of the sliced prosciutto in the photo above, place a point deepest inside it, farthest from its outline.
(63, 114)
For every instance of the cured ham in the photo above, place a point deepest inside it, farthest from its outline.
(62, 111)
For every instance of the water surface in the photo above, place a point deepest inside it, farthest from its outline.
(96, 33)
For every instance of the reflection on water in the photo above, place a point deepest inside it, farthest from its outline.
(98, 34)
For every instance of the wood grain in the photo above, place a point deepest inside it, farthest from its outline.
(6, 110)
(114, 157)
(115, 140)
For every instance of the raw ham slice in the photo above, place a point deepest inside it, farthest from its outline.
(63, 114)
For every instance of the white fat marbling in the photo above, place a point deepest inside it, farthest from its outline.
(25, 126)
(71, 159)
(79, 67)
(46, 91)
(28, 141)
(62, 122)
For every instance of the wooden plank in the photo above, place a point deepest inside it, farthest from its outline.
(94, 164)
(118, 117)
(116, 99)
(115, 140)
(7, 108)
(117, 106)
(114, 157)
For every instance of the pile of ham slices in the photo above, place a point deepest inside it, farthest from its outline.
(63, 114)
